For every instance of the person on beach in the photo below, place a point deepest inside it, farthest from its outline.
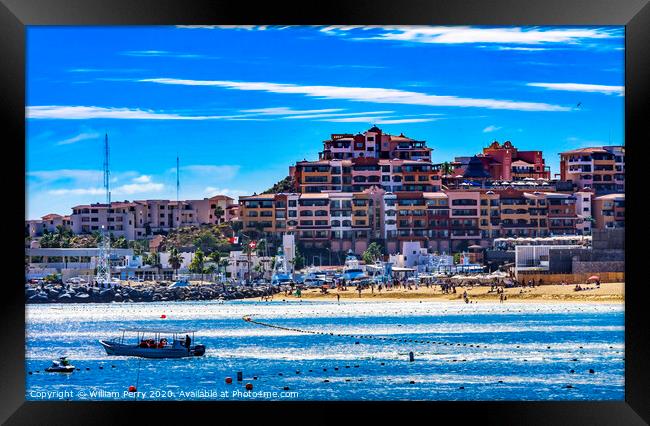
(338, 298)
(359, 289)
(501, 298)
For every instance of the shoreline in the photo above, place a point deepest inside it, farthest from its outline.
(607, 293)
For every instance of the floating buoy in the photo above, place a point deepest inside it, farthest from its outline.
(163, 316)
(412, 382)
(326, 381)
(229, 380)
(591, 371)
(249, 386)
(462, 387)
(285, 388)
(132, 389)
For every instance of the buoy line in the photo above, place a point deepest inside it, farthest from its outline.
(248, 318)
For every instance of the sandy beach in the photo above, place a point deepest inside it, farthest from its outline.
(608, 292)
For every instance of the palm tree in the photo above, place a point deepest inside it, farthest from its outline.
(218, 213)
(446, 168)
(175, 260)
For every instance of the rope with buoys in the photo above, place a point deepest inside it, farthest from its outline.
(248, 318)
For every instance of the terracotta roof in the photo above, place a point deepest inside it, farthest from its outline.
(51, 216)
(521, 163)
(611, 197)
(588, 150)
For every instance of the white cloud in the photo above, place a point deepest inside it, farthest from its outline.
(94, 112)
(345, 114)
(80, 137)
(142, 179)
(465, 34)
(225, 172)
(161, 53)
(140, 184)
(379, 120)
(366, 94)
(65, 174)
(288, 111)
(211, 191)
(579, 87)
(491, 128)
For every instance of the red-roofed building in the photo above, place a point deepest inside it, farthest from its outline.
(599, 168)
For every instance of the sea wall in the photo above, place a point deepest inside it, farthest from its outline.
(57, 293)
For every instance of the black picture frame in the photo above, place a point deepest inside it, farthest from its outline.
(16, 14)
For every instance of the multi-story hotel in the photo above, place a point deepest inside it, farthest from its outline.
(505, 162)
(374, 144)
(138, 219)
(354, 163)
(358, 174)
(599, 168)
(441, 221)
(609, 211)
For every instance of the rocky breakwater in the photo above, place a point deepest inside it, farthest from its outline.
(57, 293)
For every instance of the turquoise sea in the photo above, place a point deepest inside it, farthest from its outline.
(484, 351)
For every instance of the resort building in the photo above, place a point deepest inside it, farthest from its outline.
(609, 211)
(374, 143)
(599, 168)
(358, 174)
(504, 162)
(50, 223)
(143, 218)
(439, 221)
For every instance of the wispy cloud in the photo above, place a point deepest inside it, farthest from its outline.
(78, 138)
(466, 34)
(138, 185)
(162, 53)
(491, 128)
(210, 191)
(379, 120)
(223, 172)
(579, 87)
(288, 111)
(344, 114)
(94, 112)
(365, 94)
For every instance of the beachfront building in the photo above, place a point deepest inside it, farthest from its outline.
(599, 168)
(439, 221)
(609, 211)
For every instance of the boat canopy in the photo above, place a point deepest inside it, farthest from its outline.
(159, 330)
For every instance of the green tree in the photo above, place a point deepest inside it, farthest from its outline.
(175, 260)
(447, 168)
(372, 253)
(298, 260)
(197, 266)
(218, 213)
(206, 242)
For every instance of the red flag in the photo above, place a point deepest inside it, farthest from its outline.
(233, 240)
(252, 245)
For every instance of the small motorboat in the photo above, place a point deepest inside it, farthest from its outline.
(157, 347)
(62, 365)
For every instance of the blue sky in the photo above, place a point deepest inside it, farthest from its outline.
(240, 104)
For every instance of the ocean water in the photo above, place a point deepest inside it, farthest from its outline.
(520, 351)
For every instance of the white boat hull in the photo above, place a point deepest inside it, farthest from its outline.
(119, 349)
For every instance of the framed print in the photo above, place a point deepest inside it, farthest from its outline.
(366, 208)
